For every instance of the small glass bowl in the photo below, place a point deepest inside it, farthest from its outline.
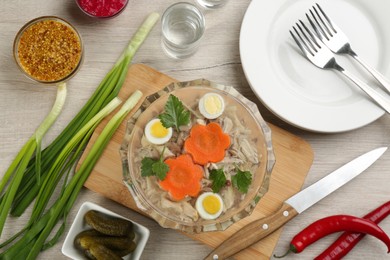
(189, 93)
(20, 34)
(91, 14)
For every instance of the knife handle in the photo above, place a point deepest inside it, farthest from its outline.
(253, 232)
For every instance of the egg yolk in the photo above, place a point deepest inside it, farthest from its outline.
(158, 130)
(211, 204)
(212, 104)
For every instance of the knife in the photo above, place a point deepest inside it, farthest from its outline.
(295, 205)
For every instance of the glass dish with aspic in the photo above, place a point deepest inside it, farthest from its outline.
(206, 171)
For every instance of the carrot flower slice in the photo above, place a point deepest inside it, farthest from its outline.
(207, 143)
(183, 177)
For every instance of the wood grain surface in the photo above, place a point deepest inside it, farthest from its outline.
(23, 105)
(294, 157)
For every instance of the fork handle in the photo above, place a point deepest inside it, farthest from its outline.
(376, 96)
(377, 75)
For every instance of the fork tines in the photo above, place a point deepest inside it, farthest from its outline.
(322, 21)
(309, 43)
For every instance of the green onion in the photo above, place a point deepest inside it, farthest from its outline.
(48, 121)
(71, 191)
(20, 163)
(35, 237)
(107, 90)
(51, 180)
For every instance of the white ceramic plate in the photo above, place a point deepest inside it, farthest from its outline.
(68, 249)
(297, 91)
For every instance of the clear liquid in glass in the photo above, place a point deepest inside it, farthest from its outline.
(182, 27)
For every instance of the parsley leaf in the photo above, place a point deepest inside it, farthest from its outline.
(242, 180)
(146, 166)
(160, 169)
(174, 113)
(219, 179)
(152, 167)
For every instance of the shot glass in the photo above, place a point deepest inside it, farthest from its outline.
(183, 25)
(212, 4)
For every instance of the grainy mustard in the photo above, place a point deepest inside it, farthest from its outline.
(49, 50)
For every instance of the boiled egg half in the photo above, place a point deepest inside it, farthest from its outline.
(209, 205)
(156, 133)
(211, 105)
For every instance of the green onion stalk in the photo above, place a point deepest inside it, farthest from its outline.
(15, 172)
(51, 180)
(33, 240)
(108, 89)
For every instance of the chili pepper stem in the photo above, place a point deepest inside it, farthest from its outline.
(291, 249)
(284, 255)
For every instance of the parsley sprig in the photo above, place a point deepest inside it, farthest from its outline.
(175, 114)
(242, 180)
(153, 167)
(219, 179)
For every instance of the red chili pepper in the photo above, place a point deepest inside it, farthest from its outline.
(332, 224)
(348, 240)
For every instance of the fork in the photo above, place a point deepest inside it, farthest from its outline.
(331, 35)
(322, 57)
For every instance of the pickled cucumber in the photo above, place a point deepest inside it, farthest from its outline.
(108, 225)
(127, 251)
(118, 243)
(110, 238)
(100, 252)
(85, 233)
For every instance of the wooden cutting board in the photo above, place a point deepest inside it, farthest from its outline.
(294, 157)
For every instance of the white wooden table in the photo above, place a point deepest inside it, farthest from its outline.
(23, 104)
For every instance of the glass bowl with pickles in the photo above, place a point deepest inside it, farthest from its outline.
(197, 156)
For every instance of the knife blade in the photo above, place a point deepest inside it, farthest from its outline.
(295, 205)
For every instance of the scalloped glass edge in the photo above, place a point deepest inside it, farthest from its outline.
(143, 205)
